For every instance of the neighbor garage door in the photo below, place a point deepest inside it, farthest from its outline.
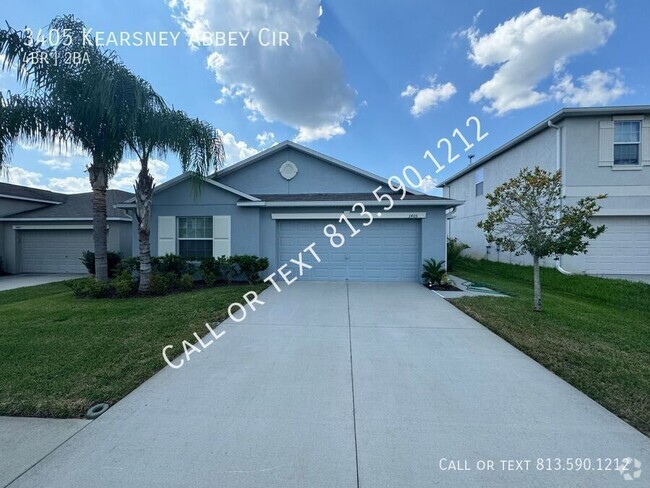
(624, 247)
(54, 251)
(387, 250)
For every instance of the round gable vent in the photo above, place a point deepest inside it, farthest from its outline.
(288, 170)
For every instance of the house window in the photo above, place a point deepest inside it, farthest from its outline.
(479, 182)
(195, 237)
(627, 142)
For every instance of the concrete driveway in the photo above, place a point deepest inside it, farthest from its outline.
(11, 282)
(346, 385)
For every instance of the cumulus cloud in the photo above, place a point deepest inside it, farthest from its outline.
(235, 150)
(596, 88)
(429, 184)
(56, 163)
(70, 184)
(128, 171)
(20, 176)
(529, 48)
(302, 85)
(265, 139)
(426, 98)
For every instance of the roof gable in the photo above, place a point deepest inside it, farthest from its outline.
(317, 173)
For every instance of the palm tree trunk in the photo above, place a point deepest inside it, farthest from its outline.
(537, 287)
(143, 196)
(99, 183)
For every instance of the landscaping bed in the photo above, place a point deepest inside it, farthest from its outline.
(592, 332)
(59, 355)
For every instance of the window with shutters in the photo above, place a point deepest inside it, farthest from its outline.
(195, 237)
(627, 142)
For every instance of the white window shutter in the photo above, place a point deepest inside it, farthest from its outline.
(220, 235)
(645, 142)
(606, 138)
(166, 235)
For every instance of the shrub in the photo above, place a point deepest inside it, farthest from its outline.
(209, 271)
(88, 260)
(186, 282)
(160, 284)
(130, 264)
(251, 266)
(433, 271)
(171, 264)
(90, 288)
(228, 268)
(124, 284)
(454, 250)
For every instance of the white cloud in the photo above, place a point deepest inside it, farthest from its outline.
(596, 88)
(429, 184)
(235, 150)
(128, 170)
(265, 138)
(20, 176)
(611, 5)
(59, 148)
(426, 98)
(301, 85)
(70, 184)
(307, 134)
(527, 49)
(56, 163)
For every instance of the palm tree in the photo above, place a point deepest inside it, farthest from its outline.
(90, 104)
(158, 129)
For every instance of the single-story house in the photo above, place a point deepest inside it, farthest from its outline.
(288, 197)
(46, 232)
(600, 150)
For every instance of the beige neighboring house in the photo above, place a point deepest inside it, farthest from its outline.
(46, 232)
(599, 150)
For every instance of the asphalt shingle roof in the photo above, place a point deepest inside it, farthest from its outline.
(77, 206)
(33, 193)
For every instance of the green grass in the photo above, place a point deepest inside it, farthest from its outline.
(593, 332)
(60, 355)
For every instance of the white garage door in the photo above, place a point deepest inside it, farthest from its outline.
(624, 247)
(386, 250)
(54, 251)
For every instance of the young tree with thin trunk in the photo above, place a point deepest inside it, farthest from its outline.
(89, 104)
(526, 215)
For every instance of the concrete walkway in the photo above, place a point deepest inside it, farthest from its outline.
(336, 385)
(11, 282)
(25, 441)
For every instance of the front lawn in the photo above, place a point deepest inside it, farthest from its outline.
(593, 332)
(60, 355)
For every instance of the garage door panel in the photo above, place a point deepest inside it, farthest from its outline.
(54, 251)
(387, 250)
(624, 247)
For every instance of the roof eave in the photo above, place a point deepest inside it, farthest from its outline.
(448, 203)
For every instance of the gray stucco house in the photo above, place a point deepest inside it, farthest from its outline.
(46, 232)
(278, 202)
(599, 150)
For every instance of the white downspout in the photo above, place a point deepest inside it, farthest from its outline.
(558, 165)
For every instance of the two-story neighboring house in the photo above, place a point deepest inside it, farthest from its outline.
(599, 150)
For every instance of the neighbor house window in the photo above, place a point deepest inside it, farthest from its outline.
(627, 142)
(195, 237)
(479, 182)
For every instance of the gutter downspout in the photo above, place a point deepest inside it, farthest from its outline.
(558, 165)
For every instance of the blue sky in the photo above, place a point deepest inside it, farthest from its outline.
(375, 84)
